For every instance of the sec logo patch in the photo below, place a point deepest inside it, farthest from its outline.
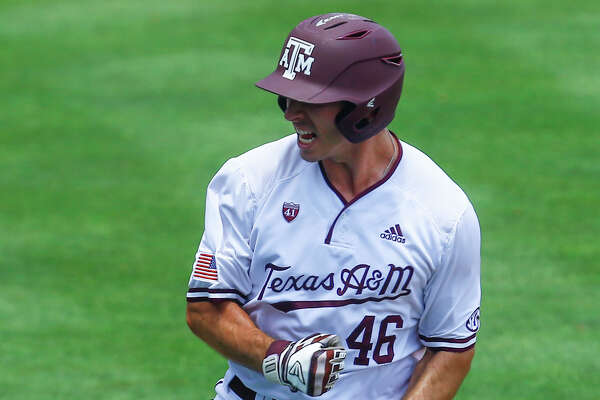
(290, 211)
(473, 321)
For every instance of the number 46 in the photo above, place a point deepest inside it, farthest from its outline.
(364, 345)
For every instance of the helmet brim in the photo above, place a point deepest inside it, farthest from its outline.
(299, 89)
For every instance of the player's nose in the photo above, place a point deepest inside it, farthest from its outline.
(294, 110)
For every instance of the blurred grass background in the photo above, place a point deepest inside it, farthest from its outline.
(115, 114)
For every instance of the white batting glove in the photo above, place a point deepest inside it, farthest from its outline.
(310, 365)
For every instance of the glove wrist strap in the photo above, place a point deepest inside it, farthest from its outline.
(270, 364)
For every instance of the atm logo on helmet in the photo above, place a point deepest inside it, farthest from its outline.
(296, 57)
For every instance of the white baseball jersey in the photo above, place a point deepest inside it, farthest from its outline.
(392, 271)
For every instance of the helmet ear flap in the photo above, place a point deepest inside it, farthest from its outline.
(357, 122)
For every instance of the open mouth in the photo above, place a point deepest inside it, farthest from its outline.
(305, 137)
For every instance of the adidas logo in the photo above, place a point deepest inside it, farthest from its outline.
(394, 233)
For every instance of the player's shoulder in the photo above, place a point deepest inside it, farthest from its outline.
(266, 165)
(429, 185)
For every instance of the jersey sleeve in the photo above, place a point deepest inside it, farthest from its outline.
(450, 320)
(220, 269)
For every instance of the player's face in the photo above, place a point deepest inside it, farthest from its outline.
(318, 137)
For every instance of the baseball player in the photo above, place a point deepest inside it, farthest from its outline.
(338, 261)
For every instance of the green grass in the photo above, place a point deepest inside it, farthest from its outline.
(115, 114)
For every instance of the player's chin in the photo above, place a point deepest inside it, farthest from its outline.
(308, 155)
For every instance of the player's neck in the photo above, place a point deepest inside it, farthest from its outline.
(363, 166)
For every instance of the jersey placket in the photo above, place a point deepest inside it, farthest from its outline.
(344, 211)
(340, 225)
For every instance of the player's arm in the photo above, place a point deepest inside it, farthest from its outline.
(228, 329)
(220, 321)
(439, 374)
(219, 281)
(448, 327)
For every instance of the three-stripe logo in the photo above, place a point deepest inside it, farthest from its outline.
(394, 233)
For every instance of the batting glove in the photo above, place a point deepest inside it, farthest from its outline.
(310, 365)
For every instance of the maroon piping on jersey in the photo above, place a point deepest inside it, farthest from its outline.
(454, 349)
(455, 341)
(364, 192)
(209, 291)
(438, 339)
(287, 306)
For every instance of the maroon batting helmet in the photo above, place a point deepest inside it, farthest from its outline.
(342, 57)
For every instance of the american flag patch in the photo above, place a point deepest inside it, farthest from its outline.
(205, 267)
